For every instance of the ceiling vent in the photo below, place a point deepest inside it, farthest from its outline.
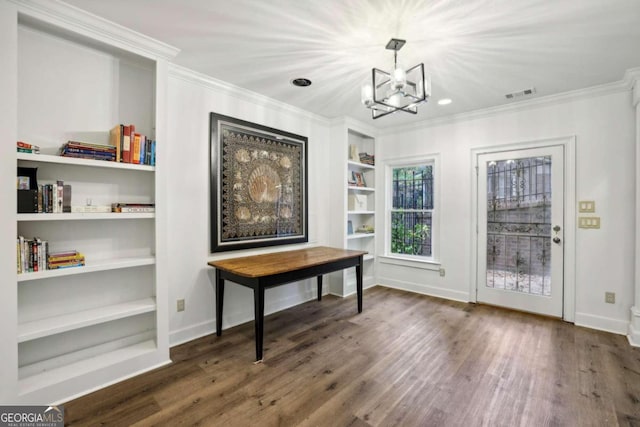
(521, 93)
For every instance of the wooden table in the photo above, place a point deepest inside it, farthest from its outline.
(260, 272)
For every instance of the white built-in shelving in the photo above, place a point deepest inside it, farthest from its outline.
(357, 202)
(74, 330)
(45, 327)
(91, 266)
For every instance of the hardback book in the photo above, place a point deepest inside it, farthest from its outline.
(60, 199)
(126, 144)
(135, 155)
(115, 139)
(66, 198)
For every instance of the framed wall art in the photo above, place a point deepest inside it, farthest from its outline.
(258, 185)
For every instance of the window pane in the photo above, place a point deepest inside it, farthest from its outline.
(413, 187)
(411, 233)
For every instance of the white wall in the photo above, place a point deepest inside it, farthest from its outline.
(603, 124)
(191, 98)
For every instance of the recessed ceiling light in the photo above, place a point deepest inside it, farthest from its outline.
(444, 101)
(301, 82)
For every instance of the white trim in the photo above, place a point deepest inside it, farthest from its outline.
(601, 323)
(116, 381)
(406, 161)
(591, 92)
(433, 291)
(208, 82)
(569, 145)
(634, 327)
(410, 262)
(192, 332)
(78, 21)
(352, 125)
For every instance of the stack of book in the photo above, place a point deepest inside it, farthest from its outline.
(24, 147)
(367, 159)
(132, 146)
(85, 150)
(133, 207)
(65, 260)
(31, 254)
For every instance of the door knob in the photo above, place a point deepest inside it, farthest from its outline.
(556, 240)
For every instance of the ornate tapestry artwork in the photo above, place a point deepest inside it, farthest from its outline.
(258, 182)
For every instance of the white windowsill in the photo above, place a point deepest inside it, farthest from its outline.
(410, 262)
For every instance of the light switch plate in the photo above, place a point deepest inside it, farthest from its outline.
(589, 222)
(585, 206)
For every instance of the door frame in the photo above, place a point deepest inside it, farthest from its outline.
(569, 275)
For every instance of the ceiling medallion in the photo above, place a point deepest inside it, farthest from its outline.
(399, 90)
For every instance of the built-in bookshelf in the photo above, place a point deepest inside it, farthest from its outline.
(356, 204)
(82, 327)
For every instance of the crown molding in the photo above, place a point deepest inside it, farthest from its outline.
(632, 78)
(200, 79)
(72, 19)
(560, 98)
(355, 125)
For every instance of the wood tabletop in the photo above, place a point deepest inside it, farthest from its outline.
(282, 262)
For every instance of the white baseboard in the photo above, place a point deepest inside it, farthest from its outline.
(601, 323)
(634, 327)
(462, 296)
(192, 332)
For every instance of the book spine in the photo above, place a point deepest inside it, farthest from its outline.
(143, 149)
(126, 144)
(153, 153)
(19, 261)
(40, 198)
(135, 157)
(66, 198)
(114, 139)
(60, 188)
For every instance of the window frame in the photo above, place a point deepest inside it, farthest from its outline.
(420, 261)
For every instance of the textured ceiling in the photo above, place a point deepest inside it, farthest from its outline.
(476, 51)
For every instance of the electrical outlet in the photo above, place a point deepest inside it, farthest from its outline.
(441, 272)
(610, 297)
(180, 305)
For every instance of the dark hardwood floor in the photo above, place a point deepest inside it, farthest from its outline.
(407, 360)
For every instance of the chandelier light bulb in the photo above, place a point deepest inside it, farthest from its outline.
(395, 99)
(399, 79)
(366, 94)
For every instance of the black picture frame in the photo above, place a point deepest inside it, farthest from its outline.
(258, 185)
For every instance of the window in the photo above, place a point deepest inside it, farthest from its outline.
(411, 210)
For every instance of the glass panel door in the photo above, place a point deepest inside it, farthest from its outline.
(520, 229)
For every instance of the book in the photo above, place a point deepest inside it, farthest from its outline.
(133, 207)
(59, 200)
(135, 151)
(66, 198)
(126, 142)
(90, 209)
(115, 139)
(28, 150)
(153, 153)
(143, 149)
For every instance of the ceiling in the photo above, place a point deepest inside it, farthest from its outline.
(475, 51)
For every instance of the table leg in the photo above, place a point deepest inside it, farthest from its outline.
(359, 283)
(219, 301)
(320, 288)
(258, 300)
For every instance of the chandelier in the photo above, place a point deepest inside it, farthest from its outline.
(399, 90)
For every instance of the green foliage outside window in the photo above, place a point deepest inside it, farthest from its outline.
(411, 210)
